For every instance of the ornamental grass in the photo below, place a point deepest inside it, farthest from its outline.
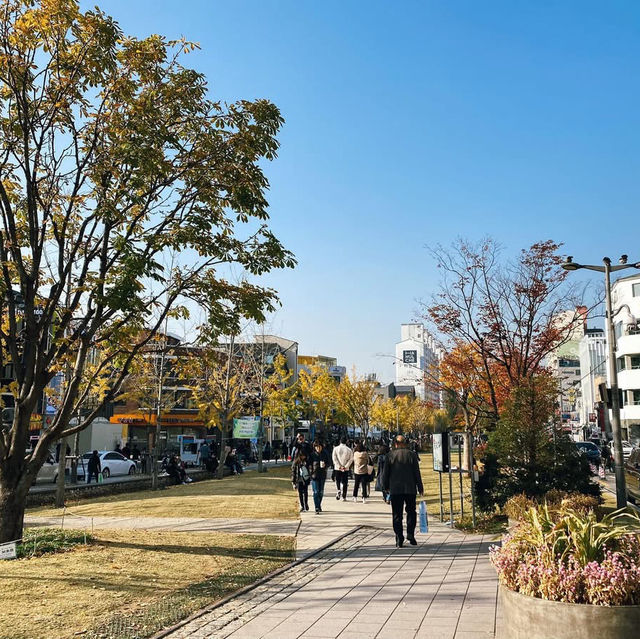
(572, 557)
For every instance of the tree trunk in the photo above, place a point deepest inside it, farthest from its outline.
(62, 466)
(12, 506)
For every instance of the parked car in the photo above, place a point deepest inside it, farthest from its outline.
(632, 475)
(626, 449)
(591, 451)
(49, 471)
(111, 462)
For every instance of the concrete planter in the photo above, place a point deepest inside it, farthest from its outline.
(525, 617)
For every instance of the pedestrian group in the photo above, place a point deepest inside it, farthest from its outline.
(398, 477)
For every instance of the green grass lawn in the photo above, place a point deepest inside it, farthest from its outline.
(138, 580)
(250, 495)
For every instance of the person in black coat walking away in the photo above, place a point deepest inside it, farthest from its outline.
(93, 467)
(301, 478)
(401, 478)
(319, 464)
(383, 452)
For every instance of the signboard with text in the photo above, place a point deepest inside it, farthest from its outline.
(410, 357)
(246, 427)
(8, 550)
(441, 452)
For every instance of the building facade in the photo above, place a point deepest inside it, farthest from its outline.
(626, 311)
(593, 368)
(416, 361)
(564, 363)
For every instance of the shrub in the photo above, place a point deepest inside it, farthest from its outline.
(572, 557)
(42, 541)
(557, 500)
(527, 455)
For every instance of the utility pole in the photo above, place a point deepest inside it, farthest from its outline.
(607, 269)
(618, 457)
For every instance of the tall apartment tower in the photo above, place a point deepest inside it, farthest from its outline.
(417, 355)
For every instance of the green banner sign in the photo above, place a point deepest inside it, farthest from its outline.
(246, 427)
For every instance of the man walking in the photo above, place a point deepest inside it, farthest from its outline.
(342, 459)
(401, 478)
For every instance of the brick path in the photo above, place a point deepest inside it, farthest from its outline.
(364, 587)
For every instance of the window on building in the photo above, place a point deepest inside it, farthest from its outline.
(618, 330)
(636, 290)
(621, 364)
(635, 397)
(635, 361)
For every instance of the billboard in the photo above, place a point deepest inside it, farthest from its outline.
(246, 427)
(410, 357)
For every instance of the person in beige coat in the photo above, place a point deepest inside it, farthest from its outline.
(342, 458)
(360, 472)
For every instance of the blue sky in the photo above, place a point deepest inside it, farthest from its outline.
(412, 123)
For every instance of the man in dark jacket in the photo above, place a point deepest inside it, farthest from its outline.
(93, 467)
(401, 478)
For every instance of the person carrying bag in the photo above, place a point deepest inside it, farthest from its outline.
(301, 478)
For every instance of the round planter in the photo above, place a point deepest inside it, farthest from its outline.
(525, 617)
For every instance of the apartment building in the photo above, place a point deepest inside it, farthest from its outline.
(417, 357)
(626, 311)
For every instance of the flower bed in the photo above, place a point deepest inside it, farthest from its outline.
(570, 556)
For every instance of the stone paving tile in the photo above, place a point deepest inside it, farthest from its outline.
(363, 587)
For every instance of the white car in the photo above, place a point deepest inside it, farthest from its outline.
(49, 471)
(626, 449)
(111, 463)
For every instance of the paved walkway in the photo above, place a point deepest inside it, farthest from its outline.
(359, 587)
(363, 587)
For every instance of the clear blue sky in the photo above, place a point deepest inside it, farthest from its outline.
(411, 123)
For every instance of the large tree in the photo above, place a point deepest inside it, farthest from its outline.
(124, 189)
(357, 398)
(507, 315)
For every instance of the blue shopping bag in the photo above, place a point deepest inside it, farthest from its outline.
(424, 524)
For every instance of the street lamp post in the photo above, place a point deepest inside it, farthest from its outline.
(607, 269)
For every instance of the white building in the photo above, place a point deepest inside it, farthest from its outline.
(593, 366)
(564, 362)
(417, 356)
(626, 311)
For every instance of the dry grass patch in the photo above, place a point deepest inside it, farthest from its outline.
(124, 573)
(250, 496)
(431, 488)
